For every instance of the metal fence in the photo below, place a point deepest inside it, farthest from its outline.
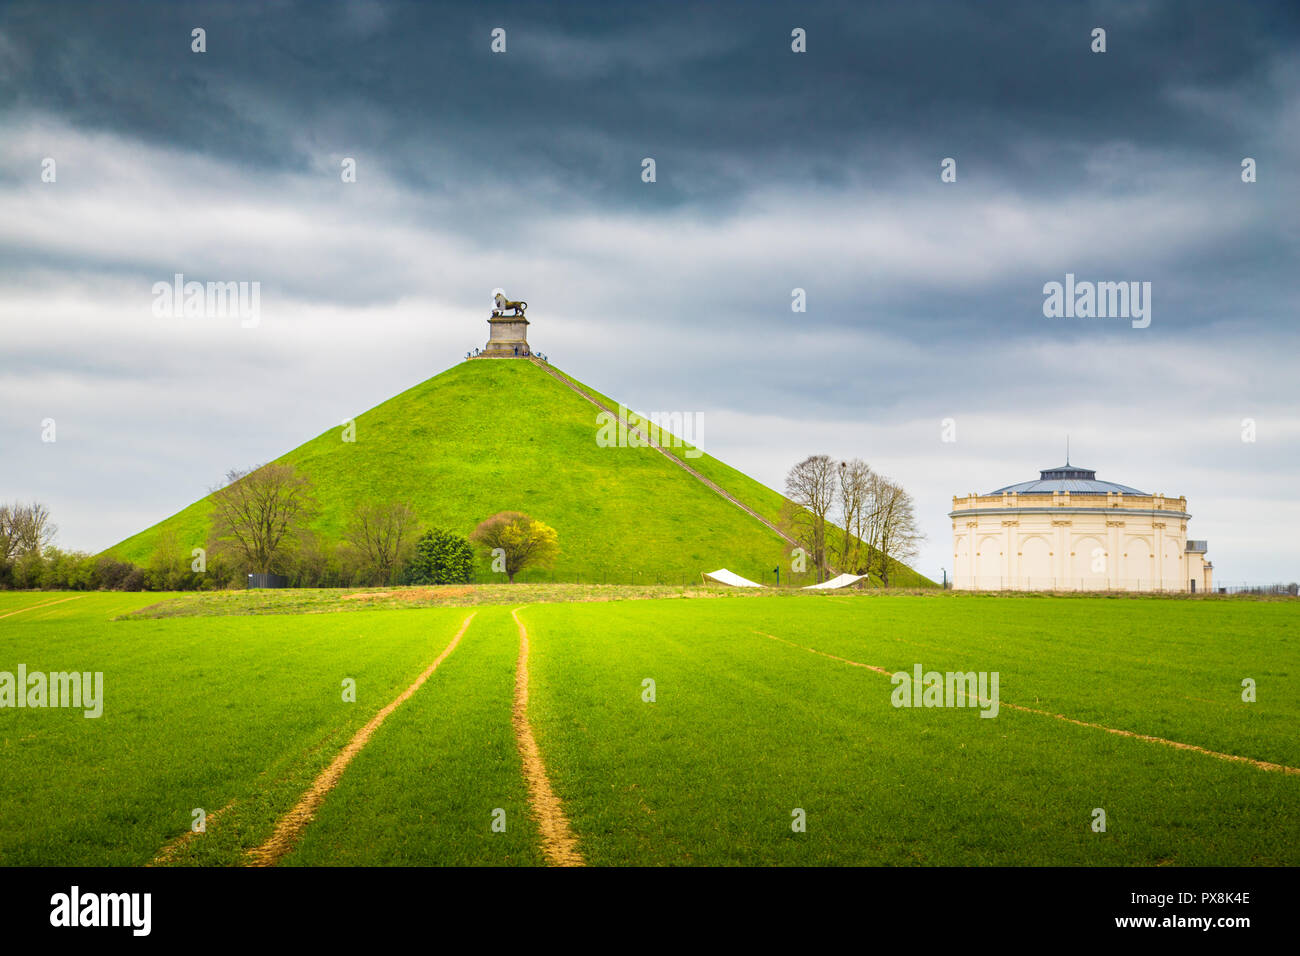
(1100, 583)
(1292, 589)
(268, 581)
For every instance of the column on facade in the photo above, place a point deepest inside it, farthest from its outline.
(1113, 554)
(1061, 565)
(1158, 578)
(1007, 553)
(972, 536)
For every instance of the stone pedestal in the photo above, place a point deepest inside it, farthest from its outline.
(507, 338)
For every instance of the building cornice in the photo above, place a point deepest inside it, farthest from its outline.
(1066, 510)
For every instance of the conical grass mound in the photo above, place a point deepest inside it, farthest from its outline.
(508, 435)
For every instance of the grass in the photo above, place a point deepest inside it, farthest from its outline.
(447, 763)
(1168, 668)
(758, 496)
(490, 436)
(196, 714)
(329, 600)
(745, 730)
(241, 711)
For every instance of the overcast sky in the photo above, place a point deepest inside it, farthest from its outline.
(775, 170)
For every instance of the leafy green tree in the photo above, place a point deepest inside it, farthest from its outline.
(169, 567)
(441, 557)
(513, 541)
(28, 570)
(68, 571)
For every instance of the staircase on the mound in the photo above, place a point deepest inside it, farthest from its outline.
(659, 448)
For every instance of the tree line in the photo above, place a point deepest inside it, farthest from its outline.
(261, 523)
(847, 517)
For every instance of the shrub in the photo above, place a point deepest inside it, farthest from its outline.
(441, 557)
(111, 572)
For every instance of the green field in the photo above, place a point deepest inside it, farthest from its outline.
(237, 713)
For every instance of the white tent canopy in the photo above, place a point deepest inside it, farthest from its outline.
(730, 578)
(834, 584)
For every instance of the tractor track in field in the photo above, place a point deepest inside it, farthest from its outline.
(291, 825)
(173, 848)
(559, 844)
(37, 607)
(1164, 741)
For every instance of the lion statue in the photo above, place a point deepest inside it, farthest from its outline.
(503, 303)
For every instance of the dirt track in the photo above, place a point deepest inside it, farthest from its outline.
(292, 823)
(36, 607)
(1259, 764)
(558, 842)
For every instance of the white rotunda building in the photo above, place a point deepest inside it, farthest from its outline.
(1068, 531)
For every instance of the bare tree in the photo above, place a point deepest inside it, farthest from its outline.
(854, 497)
(25, 529)
(383, 535)
(810, 486)
(261, 513)
(873, 518)
(8, 534)
(898, 536)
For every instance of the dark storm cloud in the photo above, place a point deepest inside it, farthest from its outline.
(712, 92)
(713, 87)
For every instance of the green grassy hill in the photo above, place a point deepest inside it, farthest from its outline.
(497, 435)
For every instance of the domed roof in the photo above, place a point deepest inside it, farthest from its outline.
(1067, 478)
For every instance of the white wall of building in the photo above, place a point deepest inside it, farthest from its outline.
(1080, 542)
